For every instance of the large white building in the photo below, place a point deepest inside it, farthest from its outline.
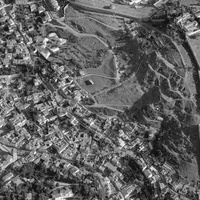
(189, 25)
(159, 3)
(21, 2)
(137, 2)
(55, 5)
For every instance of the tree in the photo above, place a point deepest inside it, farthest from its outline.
(27, 171)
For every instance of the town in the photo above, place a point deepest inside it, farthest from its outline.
(44, 121)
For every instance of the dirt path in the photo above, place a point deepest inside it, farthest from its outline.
(168, 82)
(120, 84)
(168, 64)
(95, 21)
(77, 34)
(108, 106)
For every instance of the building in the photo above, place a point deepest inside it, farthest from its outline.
(41, 9)
(2, 122)
(33, 7)
(48, 17)
(89, 82)
(189, 25)
(110, 167)
(181, 20)
(193, 32)
(45, 53)
(135, 2)
(138, 3)
(55, 5)
(160, 3)
(62, 194)
(197, 14)
(7, 177)
(21, 2)
(128, 190)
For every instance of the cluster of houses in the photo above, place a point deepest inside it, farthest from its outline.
(188, 23)
(140, 3)
(49, 45)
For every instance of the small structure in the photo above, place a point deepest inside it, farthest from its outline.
(89, 82)
(159, 3)
(138, 3)
(55, 5)
(21, 2)
(111, 6)
(82, 72)
(188, 24)
(7, 177)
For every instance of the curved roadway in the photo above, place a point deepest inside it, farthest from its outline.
(110, 12)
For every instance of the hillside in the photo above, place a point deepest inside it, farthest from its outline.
(136, 78)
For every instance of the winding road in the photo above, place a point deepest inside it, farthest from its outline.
(97, 75)
(104, 24)
(77, 34)
(111, 12)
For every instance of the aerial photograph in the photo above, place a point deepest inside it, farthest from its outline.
(99, 99)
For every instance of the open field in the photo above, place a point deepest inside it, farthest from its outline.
(124, 95)
(189, 170)
(99, 83)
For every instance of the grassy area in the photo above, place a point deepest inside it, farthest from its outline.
(111, 21)
(107, 67)
(195, 45)
(124, 95)
(100, 83)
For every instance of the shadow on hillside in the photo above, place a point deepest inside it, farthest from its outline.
(150, 97)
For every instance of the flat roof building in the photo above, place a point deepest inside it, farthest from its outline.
(160, 3)
(21, 2)
(89, 82)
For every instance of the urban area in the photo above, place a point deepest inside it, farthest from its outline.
(52, 146)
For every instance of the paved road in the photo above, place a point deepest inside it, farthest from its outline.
(105, 106)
